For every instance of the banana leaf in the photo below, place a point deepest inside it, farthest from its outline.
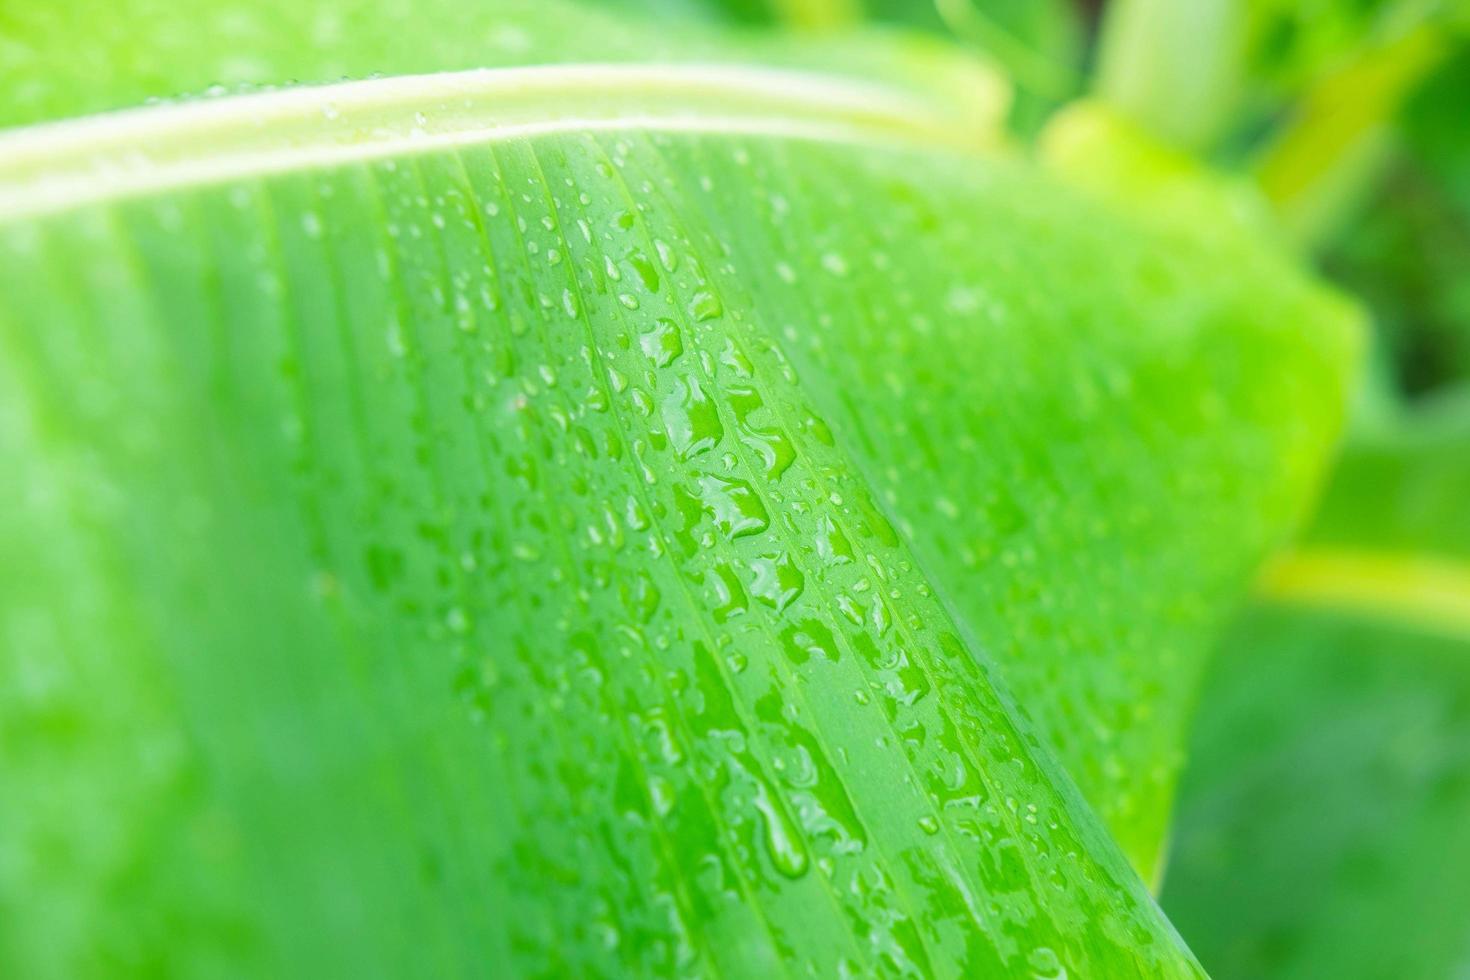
(599, 519)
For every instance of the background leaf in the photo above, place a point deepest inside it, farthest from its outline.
(1321, 830)
(1321, 827)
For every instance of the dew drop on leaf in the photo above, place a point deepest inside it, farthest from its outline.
(692, 420)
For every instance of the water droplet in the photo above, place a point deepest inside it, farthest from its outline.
(732, 505)
(778, 582)
(809, 638)
(1045, 964)
(692, 421)
(458, 620)
(647, 273)
(662, 344)
(394, 338)
(640, 597)
(784, 845)
(833, 548)
(730, 598)
(661, 794)
(705, 305)
(834, 263)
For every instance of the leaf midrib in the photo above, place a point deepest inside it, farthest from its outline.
(112, 156)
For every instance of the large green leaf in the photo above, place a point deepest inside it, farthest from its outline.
(604, 521)
(1322, 828)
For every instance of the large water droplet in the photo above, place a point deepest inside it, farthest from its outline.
(735, 508)
(662, 344)
(705, 304)
(782, 839)
(777, 581)
(691, 419)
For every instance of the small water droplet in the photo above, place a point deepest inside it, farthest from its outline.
(458, 620)
(834, 263)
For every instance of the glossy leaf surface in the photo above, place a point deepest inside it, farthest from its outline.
(640, 540)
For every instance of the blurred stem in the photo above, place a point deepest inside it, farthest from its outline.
(819, 14)
(1029, 68)
(1334, 143)
(1419, 590)
(1173, 65)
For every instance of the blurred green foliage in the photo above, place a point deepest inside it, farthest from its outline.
(1322, 826)
(1406, 251)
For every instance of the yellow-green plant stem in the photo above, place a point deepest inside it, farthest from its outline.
(1173, 65)
(1423, 591)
